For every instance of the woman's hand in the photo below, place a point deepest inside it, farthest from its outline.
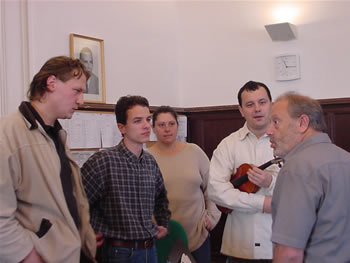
(99, 239)
(33, 257)
(207, 223)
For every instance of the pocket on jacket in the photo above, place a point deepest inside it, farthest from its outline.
(45, 226)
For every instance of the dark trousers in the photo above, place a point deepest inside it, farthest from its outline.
(84, 258)
(203, 254)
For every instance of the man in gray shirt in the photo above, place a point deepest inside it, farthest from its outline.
(310, 210)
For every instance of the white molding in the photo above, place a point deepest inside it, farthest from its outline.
(25, 47)
(31, 50)
(3, 75)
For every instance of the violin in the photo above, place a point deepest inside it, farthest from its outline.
(240, 180)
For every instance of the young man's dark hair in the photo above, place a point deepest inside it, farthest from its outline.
(125, 103)
(252, 86)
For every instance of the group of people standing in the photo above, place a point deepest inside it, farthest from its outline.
(122, 198)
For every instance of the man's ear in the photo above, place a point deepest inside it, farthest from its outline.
(241, 111)
(121, 128)
(51, 83)
(304, 123)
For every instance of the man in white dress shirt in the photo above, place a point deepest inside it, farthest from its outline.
(247, 231)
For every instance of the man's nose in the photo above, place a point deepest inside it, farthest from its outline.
(80, 99)
(147, 124)
(269, 130)
(257, 107)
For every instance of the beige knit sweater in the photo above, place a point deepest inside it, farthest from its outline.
(186, 175)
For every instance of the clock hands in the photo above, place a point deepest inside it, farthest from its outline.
(284, 63)
(287, 66)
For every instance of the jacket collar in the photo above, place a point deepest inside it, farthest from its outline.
(33, 117)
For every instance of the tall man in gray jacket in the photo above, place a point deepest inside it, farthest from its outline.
(44, 213)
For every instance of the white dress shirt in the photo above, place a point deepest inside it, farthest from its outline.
(247, 232)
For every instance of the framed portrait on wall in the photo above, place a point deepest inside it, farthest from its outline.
(90, 51)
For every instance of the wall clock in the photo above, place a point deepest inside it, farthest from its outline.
(287, 67)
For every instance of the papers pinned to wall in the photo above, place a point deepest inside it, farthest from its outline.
(91, 130)
(87, 130)
(80, 157)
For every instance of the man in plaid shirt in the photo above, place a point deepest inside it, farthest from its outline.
(125, 189)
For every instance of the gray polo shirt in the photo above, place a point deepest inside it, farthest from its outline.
(310, 204)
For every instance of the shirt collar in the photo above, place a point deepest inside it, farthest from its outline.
(245, 132)
(314, 139)
(128, 153)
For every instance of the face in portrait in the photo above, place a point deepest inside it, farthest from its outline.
(86, 57)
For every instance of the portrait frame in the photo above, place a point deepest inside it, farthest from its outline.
(90, 51)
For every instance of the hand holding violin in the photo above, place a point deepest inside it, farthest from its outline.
(249, 178)
(259, 177)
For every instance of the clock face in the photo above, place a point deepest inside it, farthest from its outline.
(287, 67)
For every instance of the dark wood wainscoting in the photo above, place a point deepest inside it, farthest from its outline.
(207, 126)
(337, 115)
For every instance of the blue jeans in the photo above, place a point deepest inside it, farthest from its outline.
(242, 260)
(114, 254)
(202, 254)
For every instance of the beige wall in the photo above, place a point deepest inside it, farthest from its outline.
(181, 53)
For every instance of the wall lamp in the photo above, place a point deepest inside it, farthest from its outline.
(281, 31)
